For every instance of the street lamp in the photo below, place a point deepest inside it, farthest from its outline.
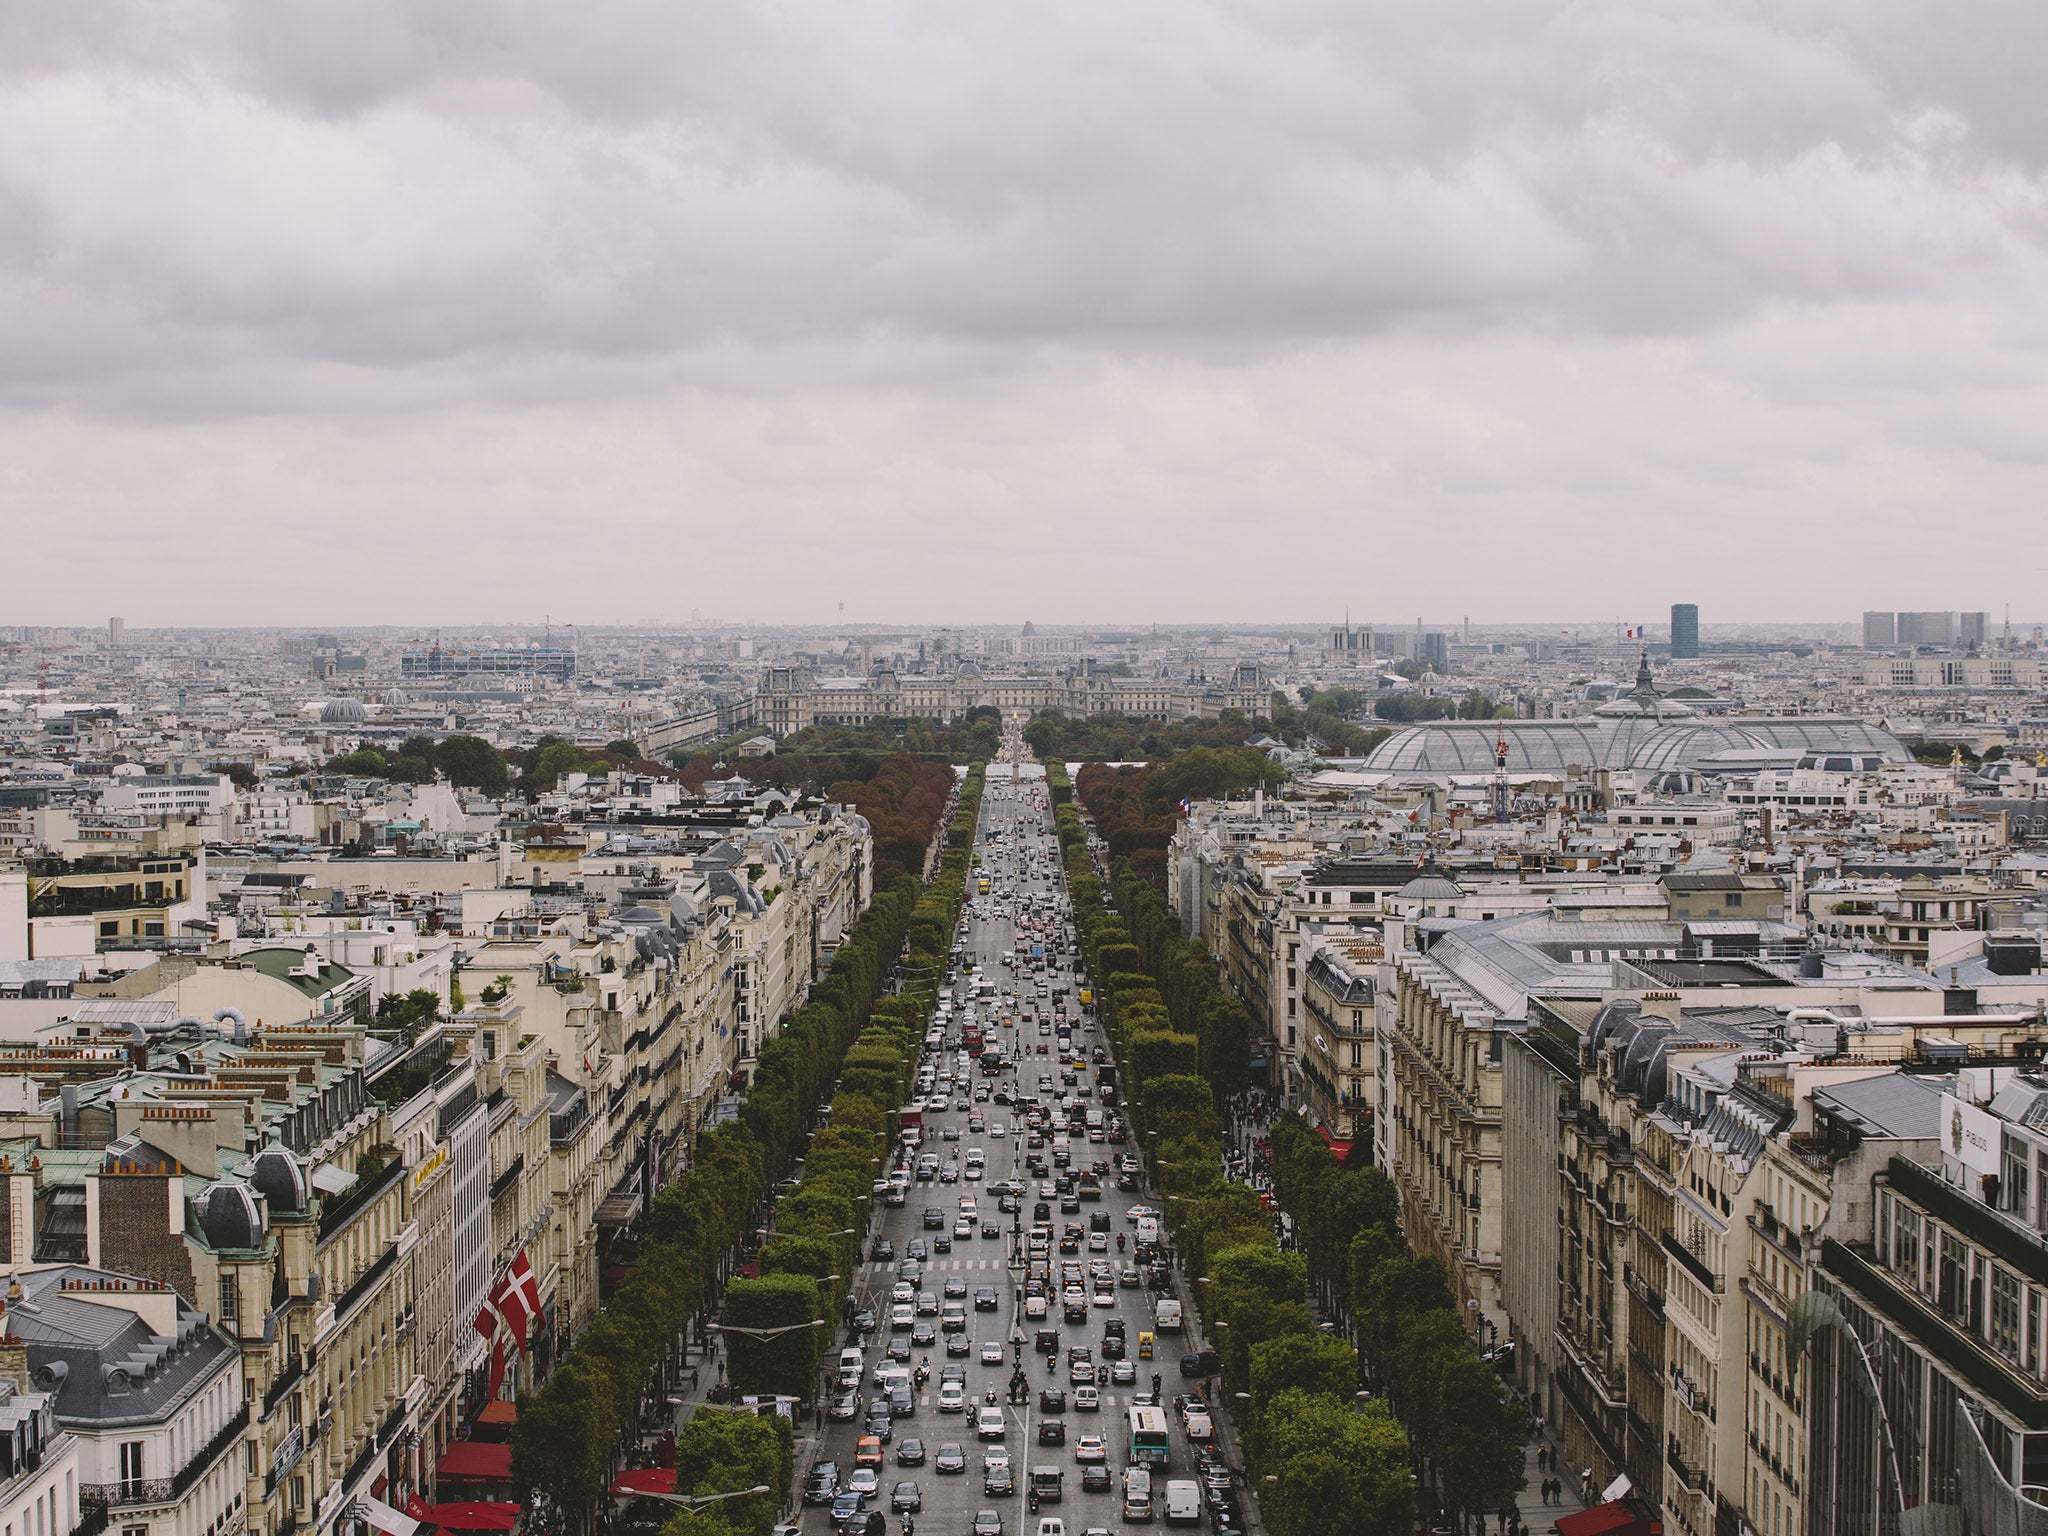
(692, 1500)
(820, 1236)
(767, 1333)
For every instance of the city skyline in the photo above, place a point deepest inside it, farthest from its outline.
(1180, 312)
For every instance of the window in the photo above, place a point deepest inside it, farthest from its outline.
(2017, 1163)
(131, 1461)
(1732, 899)
(2005, 1313)
(228, 1311)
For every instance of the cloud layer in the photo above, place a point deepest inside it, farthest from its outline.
(804, 304)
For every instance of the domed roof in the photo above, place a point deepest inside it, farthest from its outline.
(230, 1216)
(1430, 888)
(279, 1178)
(343, 712)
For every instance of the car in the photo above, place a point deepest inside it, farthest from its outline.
(865, 1479)
(990, 1424)
(956, 1287)
(958, 1344)
(883, 1252)
(906, 1496)
(1198, 1427)
(949, 1458)
(1091, 1448)
(899, 1349)
(986, 1523)
(902, 1315)
(1095, 1478)
(821, 1486)
(846, 1407)
(1138, 1213)
(927, 1304)
(992, 1352)
(1201, 1362)
(1122, 1373)
(1127, 1277)
(910, 1453)
(902, 1291)
(915, 1249)
(998, 1481)
(849, 1510)
(923, 1334)
(952, 1398)
(1087, 1398)
(985, 1298)
(964, 1227)
(1081, 1373)
(881, 1424)
(1034, 1306)
(902, 1403)
(1052, 1400)
(934, 1218)
(1052, 1431)
(954, 1375)
(951, 1133)
(864, 1320)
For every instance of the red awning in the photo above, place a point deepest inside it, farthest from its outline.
(488, 1516)
(645, 1480)
(476, 1461)
(1338, 1149)
(499, 1412)
(1615, 1519)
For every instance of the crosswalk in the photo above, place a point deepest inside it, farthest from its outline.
(1112, 1402)
(944, 1266)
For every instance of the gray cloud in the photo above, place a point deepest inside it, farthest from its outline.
(1167, 270)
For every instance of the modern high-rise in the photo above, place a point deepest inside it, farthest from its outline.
(1880, 629)
(1932, 627)
(1685, 631)
(1973, 628)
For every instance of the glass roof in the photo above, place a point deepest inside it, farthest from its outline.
(1549, 746)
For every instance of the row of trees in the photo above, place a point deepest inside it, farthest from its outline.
(571, 1430)
(1467, 1431)
(1329, 716)
(1473, 705)
(1136, 809)
(1120, 739)
(1324, 1461)
(815, 1238)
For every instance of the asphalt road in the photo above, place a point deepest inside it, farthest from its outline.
(1025, 862)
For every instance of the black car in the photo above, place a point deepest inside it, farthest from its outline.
(902, 1403)
(1052, 1431)
(822, 1485)
(1200, 1363)
(1094, 1477)
(910, 1453)
(958, 1344)
(884, 1251)
(1112, 1346)
(986, 1300)
(899, 1348)
(906, 1496)
(1052, 1400)
(956, 1287)
(880, 1423)
(934, 1218)
(950, 1458)
(942, 1244)
(924, 1335)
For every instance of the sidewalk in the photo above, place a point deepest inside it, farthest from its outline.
(1537, 1515)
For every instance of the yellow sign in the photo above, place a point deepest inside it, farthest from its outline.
(426, 1170)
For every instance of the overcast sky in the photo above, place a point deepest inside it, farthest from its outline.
(1153, 310)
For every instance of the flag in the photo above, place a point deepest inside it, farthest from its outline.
(385, 1518)
(510, 1309)
(497, 1367)
(528, 1287)
(488, 1319)
(416, 1506)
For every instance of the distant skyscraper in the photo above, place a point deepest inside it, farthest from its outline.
(1931, 627)
(1880, 629)
(117, 631)
(1685, 631)
(1973, 628)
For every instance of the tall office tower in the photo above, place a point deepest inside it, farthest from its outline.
(117, 631)
(1880, 629)
(1973, 628)
(1685, 631)
(1931, 627)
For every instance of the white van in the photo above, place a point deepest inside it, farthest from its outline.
(989, 1423)
(1048, 1483)
(1183, 1502)
(1138, 1495)
(851, 1366)
(1166, 1316)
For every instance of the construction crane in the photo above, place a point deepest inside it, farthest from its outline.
(1500, 776)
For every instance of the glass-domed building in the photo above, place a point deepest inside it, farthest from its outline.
(1641, 729)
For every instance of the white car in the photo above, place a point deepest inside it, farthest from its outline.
(1034, 1306)
(901, 1316)
(992, 1352)
(863, 1480)
(998, 1130)
(989, 1423)
(1090, 1448)
(952, 1398)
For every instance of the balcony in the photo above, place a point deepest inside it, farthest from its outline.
(163, 1490)
(1674, 1458)
(362, 1284)
(291, 1375)
(2017, 1246)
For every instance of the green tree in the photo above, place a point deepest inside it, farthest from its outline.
(1333, 1468)
(470, 762)
(786, 1364)
(722, 1450)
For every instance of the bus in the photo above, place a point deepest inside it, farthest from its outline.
(1149, 1444)
(982, 885)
